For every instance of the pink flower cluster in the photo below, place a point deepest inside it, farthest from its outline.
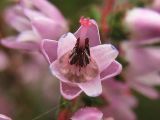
(83, 64)
(143, 72)
(33, 22)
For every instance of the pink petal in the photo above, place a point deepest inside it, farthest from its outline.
(69, 91)
(149, 41)
(92, 88)
(136, 57)
(33, 14)
(50, 10)
(145, 90)
(12, 43)
(150, 79)
(49, 49)
(3, 117)
(47, 28)
(28, 36)
(88, 113)
(15, 18)
(104, 55)
(92, 34)
(145, 20)
(26, 3)
(54, 67)
(112, 70)
(65, 44)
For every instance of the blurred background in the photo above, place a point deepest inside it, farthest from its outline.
(27, 88)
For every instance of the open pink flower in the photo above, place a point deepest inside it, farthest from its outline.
(3, 117)
(80, 62)
(120, 100)
(141, 51)
(34, 21)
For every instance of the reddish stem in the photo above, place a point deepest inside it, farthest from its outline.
(63, 115)
(108, 6)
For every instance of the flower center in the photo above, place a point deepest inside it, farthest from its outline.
(77, 65)
(80, 55)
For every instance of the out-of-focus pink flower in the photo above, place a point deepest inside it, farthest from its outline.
(143, 72)
(89, 113)
(156, 5)
(80, 62)
(3, 117)
(34, 21)
(143, 23)
(119, 99)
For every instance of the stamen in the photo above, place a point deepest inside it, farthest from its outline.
(80, 55)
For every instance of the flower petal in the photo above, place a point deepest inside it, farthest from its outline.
(69, 91)
(47, 28)
(28, 36)
(3, 117)
(145, 90)
(150, 79)
(92, 34)
(54, 67)
(50, 10)
(92, 88)
(15, 18)
(104, 55)
(66, 43)
(112, 70)
(145, 20)
(33, 14)
(11, 42)
(137, 55)
(49, 49)
(88, 113)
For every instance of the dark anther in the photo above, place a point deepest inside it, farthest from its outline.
(80, 55)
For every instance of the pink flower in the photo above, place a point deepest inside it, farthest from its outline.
(141, 53)
(143, 23)
(142, 74)
(34, 21)
(120, 100)
(3, 117)
(80, 62)
(156, 5)
(89, 113)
